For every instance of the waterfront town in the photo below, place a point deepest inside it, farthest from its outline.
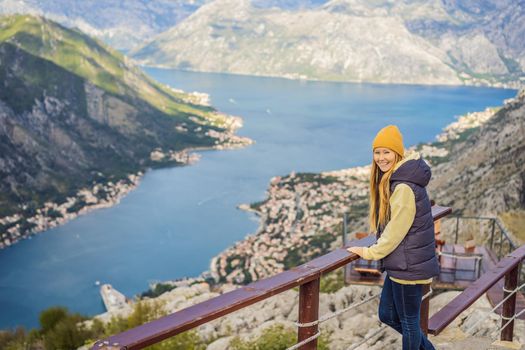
(300, 219)
(101, 195)
(106, 194)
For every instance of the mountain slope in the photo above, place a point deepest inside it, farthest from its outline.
(407, 41)
(74, 114)
(483, 172)
(122, 24)
(234, 36)
(412, 41)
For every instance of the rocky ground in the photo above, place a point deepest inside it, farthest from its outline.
(344, 330)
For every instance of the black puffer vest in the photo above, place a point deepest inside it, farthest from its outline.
(415, 257)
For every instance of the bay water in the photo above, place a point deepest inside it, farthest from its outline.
(179, 218)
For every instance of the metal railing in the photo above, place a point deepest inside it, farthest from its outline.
(499, 241)
(306, 277)
(507, 268)
(488, 231)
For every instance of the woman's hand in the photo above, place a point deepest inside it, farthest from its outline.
(356, 250)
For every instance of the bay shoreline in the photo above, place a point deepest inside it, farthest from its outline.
(110, 193)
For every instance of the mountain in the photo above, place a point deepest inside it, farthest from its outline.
(482, 172)
(121, 24)
(76, 116)
(411, 41)
(407, 41)
(288, 4)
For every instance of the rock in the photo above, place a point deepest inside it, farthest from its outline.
(220, 344)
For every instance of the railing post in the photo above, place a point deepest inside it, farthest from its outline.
(509, 306)
(492, 234)
(457, 230)
(346, 271)
(500, 243)
(308, 312)
(423, 314)
(345, 229)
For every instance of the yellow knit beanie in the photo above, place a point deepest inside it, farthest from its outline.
(390, 137)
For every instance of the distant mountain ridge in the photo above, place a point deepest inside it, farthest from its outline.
(75, 116)
(411, 41)
(407, 41)
(122, 24)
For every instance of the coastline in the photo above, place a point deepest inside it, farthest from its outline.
(513, 85)
(53, 214)
(196, 273)
(300, 207)
(300, 219)
(107, 194)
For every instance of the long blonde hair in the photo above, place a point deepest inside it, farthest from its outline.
(379, 211)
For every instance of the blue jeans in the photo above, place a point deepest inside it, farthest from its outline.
(399, 308)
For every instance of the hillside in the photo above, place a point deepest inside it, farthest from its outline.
(411, 41)
(121, 24)
(483, 171)
(408, 41)
(76, 119)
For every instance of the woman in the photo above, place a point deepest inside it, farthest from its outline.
(400, 214)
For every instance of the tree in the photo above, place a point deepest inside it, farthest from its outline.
(50, 317)
(66, 334)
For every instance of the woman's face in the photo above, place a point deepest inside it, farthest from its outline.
(384, 158)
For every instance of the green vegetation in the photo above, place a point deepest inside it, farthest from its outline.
(257, 205)
(323, 241)
(160, 288)
(332, 282)
(275, 337)
(19, 339)
(94, 61)
(301, 254)
(46, 66)
(358, 210)
(317, 178)
(294, 257)
(145, 312)
(61, 330)
(514, 221)
(79, 204)
(53, 213)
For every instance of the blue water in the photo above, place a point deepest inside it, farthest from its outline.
(179, 218)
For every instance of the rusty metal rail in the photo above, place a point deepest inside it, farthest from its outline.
(306, 276)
